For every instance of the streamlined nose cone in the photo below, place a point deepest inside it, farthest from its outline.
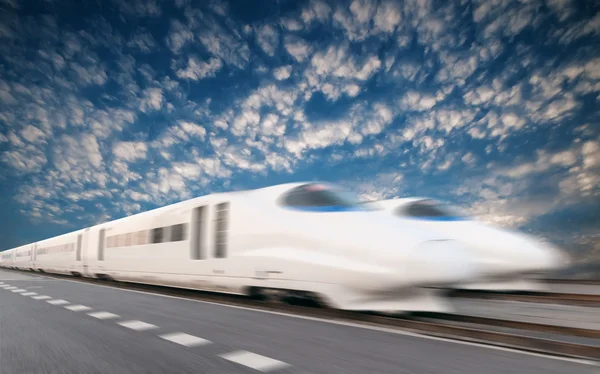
(444, 261)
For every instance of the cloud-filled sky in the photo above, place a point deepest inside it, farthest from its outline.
(109, 108)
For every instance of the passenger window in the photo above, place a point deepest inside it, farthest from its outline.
(142, 237)
(221, 228)
(157, 235)
(178, 232)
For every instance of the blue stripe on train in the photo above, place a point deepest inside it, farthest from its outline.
(323, 209)
(448, 218)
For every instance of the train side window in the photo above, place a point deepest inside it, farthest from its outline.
(222, 211)
(128, 240)
(178, 232)
(157, 235)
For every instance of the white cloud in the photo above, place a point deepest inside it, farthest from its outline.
(283, 72)
(140, 8)
(338, 62)
(229, 47)
(197, 69)
(143, 41)
(187, 170)
(415, 101)
(388, 17)
(246, 119)
(33, 134)
(179, 36)
(351, 89)
(28, 159)
(268, 39)
(297, 48)
(91, 74)
(130, 151)
(316, 10)
(193, 129)
(153, 99)
(5, 94)
(291, 24)
(272, 125)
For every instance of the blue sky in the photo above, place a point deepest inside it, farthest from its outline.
(110, 108)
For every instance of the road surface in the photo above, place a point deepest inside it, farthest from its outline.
(57, 326)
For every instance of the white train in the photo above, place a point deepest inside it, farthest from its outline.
(507, 260)
(307, 239)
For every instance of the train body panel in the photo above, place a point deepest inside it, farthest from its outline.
(288, 237)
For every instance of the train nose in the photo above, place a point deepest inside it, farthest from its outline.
(440, 262)
(548, 256)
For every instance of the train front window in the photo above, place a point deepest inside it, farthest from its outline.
(320, 196)
(430, 209)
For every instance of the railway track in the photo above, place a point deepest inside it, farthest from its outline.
(439, 325)
(593, 282)
(533, 297)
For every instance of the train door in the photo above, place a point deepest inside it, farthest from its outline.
(198, 233)
(33, 256)
(208, 241)
(84, 253)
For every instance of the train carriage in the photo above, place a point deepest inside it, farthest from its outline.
(302, 239)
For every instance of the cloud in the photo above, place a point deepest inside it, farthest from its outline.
(297, 48)
(179, 36)
(153, 99)
(196, 69)
(142, 40)
(282, 72)
(28, 159)
(193, 129)
(32, 134)
(228, 46)
(130, 151)
(139, 8)
(268, 39)
(399, 97)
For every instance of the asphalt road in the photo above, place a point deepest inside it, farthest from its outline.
(105, 330)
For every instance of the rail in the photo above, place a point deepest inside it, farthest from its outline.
(533, 297)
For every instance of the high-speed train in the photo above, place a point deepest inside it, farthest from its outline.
(311, 240)
(507, 260)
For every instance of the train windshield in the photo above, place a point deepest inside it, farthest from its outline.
(321, 197)
(432, 210)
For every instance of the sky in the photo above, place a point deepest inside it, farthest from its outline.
(110, 108)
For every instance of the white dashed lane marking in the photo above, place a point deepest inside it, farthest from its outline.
(41, 297)
(57, 302)
(103, 315)
(185, 339)
(254, 361)
(29, 294)
(138, 325)
(11, 288)
(78, 308)
(19, 290)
